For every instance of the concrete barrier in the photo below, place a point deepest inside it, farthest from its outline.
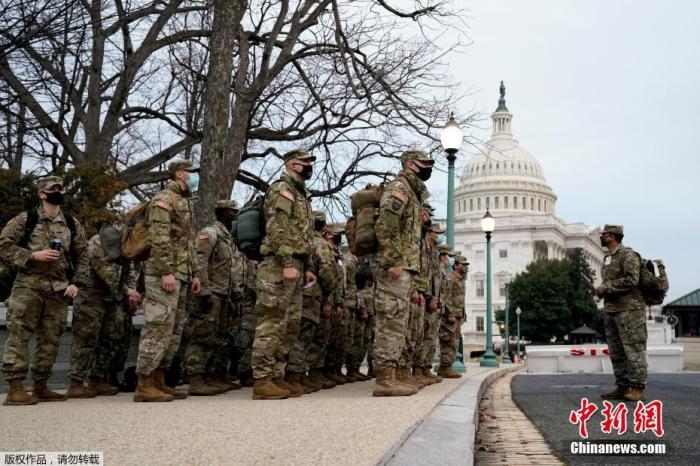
(595, 359)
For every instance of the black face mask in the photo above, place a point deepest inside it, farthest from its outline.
(307, 172)
(54, 198)
(338, 239)
(425, 173)
(318, 225)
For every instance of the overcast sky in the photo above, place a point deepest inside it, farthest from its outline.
(605, 95)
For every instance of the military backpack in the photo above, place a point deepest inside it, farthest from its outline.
(248, 230)
(653, 281)
(359, 229)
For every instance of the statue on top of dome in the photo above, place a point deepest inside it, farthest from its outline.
(502, 101)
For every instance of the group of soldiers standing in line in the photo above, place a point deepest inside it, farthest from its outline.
(285, 325)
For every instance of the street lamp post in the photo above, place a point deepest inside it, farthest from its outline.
(506, 356)
(451, 138)
(517, 350)
(488, 224)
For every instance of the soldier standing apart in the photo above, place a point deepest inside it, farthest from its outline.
(286, 266)
(211, 310)
(452, 318)
(109, 288)
(625, 321)
(170, 272)
(47, 257)
(249, 320)
(398, 230)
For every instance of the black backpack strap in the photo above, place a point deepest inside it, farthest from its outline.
(29, 225)
(70, 222)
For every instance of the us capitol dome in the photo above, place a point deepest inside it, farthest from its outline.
(506, 179)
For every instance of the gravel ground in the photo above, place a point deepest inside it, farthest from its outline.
(343, 426)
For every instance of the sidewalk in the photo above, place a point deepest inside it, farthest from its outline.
(342, 426)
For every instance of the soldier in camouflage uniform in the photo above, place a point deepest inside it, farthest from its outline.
(286, 267)
(44, 284)
(110, 290)
(365, 322)
(398, 230)
(243, 343)
(213, 309)
(431, 319)
(356, 305)
(170, 273)
(339, 322)
(625, 321)
(452, 317)
(317, 300)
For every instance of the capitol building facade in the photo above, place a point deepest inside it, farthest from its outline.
(508, 181)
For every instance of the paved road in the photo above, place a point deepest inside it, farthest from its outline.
(548, 399)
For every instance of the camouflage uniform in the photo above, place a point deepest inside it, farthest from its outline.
(398, 230)
(311, 343)
(431, 321)
(454, 306)
(37, 303)
(625, 322)
(336, 347)
(171, 236)
(99, 314)
(210, 317)
(288, 243)
(243, 343)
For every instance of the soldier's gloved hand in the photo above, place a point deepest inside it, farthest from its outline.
(133, 295)
(46, 255)
(71, 291)
(167, 282)
(195, 286)
(451, 319)
(290, 274)
(395, 272)
(327, 309)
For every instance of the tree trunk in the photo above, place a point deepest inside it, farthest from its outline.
(216, 153)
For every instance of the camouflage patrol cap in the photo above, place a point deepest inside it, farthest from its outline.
(319, 216)
(461, 260)
(446, 249)
(336, 228)
(298, 154)
(226, 204)
(425, 206)
(418, 155)
(436, 228)
(613, 229)
(48, 182)
(182, 165)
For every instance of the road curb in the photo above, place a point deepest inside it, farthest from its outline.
(446, 435)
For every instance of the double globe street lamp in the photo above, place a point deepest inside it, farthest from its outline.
(488, 224)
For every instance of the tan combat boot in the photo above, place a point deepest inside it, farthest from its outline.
(634, 394)
(17, 396)
(404, 376)
(214, 381)
(617, 394)
(42, 392)
(101, 387)
(293, 380)
(331, 375)
(310, 383)
(265, 389)
(418, 374)
(147, 391)
(386, 384)
(326, 383)
(293, 389)
(446, 372)
(76, 389)
(429, 375)
(199, 387)
(159, 383)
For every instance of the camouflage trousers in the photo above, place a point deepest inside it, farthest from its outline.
(358, 344)
(95, 334)
(626, 332)
(317, 349)
(204, 328)
(428, 345)
(164, 320)
(300, 357)
(372, 328)
(118, 350)
(449, 341)
(414, 335)
(279, 316)
(28, 312)
(243, 343)
(336, 350)
(391, 306)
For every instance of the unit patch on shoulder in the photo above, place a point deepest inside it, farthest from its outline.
(163, 204)
(203, 236)
(399, 195)
(288, 195)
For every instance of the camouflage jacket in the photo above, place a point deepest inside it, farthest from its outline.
(350, 299)
(341, 276)
(324, 268)
(423, 280)
(251, 271)
(288, 222)
(221, 267)
(442, 297)
(620, 274)
(454, 295)
(46, 276)
(398, 226)
(171, 234)
(365, 300)
(102, 278)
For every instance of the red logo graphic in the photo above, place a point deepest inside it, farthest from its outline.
(649, 417)
(614, 418)
(582, 416)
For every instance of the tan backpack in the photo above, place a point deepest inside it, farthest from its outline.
(359, 229)
(134, 242)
